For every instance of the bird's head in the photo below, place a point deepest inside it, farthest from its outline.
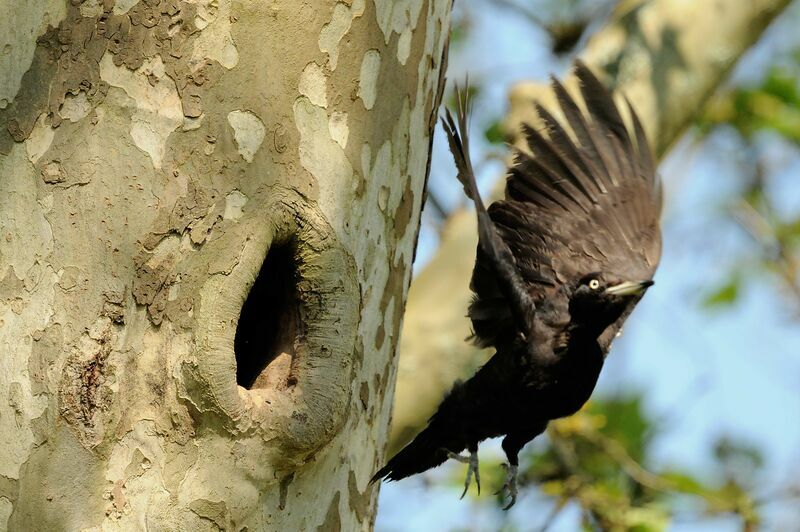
(598, 300)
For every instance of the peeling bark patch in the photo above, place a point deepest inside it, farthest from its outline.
(158, 106)
(190, 124)
(248, 131)
(9, 490)
(123, 6)
(402, 216)
(113, 306)
(393, 291)
(333, 521)
(380, 336)
(47, 347)
(54, 73)
(323, 158)
(368, 79)
(82, 391)
(280, 139)
(75, 106)
(200, 228)
(283, 490)
(363, 394)
(234, 202)
(30, 20)
(118, 499)
(52, 173)
(312, 85)
(377, 385)
(404, 45)
(359, 502)
(338, 128)
(91, 8)
(40, 139)
(67, 59)
(215, 511)
(383, 198)
(72, 278)
(154, 274)
(332, 32)
(215, 41)
(398, 16)
(91, 379)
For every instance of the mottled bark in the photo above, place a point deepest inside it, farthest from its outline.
(667, 56)
(152, 154)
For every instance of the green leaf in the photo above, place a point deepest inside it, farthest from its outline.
(459, 31)
(788, 231)
(723, 296)
(625, 422)
(686, 483)
(495, 133)
(782, 85)
(649, 518)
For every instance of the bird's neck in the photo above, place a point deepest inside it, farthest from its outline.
(583, 338)
(590, 324)
(587, 332)
(583, 344)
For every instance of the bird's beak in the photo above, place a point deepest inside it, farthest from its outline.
(629, 288)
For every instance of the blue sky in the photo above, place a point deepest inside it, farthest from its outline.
(710, 373)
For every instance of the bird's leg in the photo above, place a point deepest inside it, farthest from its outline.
(512, 444)
(509, 488)
(472, 460)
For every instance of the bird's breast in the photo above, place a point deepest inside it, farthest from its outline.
(569, 383)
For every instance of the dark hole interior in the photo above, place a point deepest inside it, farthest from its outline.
(265, 335)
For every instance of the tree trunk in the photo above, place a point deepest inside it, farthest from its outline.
(158, 159)
(667, 56)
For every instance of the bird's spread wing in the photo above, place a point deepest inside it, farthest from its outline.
(494, 249)
(585, 199)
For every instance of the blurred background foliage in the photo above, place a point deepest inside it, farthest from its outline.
(763, 113)
(599, 460)
(600, 463)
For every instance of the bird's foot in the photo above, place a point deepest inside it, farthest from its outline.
(509, 489)
(472, 460)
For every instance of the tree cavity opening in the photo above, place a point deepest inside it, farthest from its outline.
(269, 322)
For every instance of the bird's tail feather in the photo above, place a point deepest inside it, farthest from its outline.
(429, 449)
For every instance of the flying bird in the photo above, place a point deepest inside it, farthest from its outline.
(561, 262)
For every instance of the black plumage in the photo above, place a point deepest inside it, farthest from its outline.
(561, 263)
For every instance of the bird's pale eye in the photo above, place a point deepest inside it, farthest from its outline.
(594, 284)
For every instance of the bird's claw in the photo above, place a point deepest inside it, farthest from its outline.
(510, 487)
(472, 460)
(458, 457)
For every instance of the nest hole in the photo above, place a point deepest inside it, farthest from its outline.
(269, 322)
